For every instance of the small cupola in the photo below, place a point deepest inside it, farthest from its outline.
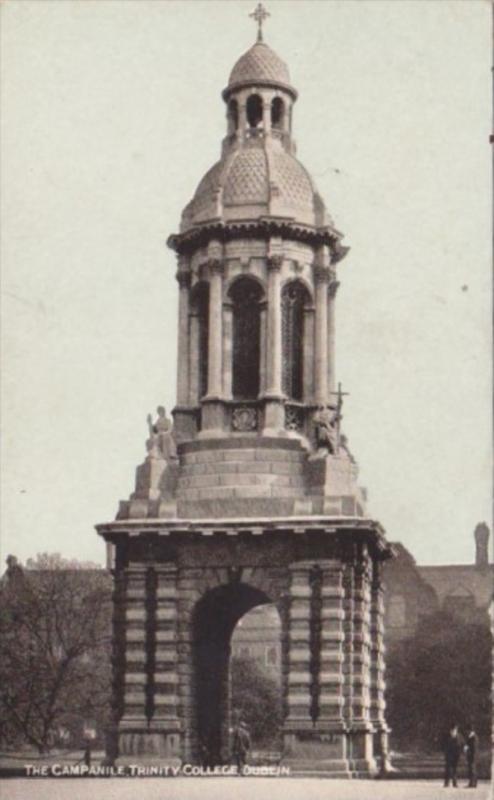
(259, 95)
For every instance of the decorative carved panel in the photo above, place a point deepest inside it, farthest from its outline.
(244, 419)
(294, 418)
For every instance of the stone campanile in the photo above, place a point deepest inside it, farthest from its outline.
(252, 498)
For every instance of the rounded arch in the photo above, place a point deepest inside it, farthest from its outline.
(295, 300)
(305, 285)
(199, 307)
(254, 110)
(246, 294)
(278, 113)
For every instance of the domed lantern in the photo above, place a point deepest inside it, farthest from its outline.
(256, 226)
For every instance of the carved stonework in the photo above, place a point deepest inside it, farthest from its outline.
(183, 279)
(294, 418)
(333, 287)
(216, 265)
(244, 419)
(274, 262)
(321, 274)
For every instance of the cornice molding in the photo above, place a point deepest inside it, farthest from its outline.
(199, 236)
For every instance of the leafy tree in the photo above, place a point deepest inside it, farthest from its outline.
(439, 676)
(257, 697)
(55, 658)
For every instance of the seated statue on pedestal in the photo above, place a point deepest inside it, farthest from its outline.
(161, 443)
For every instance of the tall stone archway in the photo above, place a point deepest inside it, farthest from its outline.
(214, 619)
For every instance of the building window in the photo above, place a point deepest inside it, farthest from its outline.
(460, 603)
(272, 658)
(397, 611)
(254, 111)
(277, 113)
(246, 295)
(244, 651)
(294, 299)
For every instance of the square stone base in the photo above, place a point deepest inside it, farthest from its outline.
(154, 745)
(317, 751)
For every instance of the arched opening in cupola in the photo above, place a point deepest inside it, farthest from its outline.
(233, 116)
(246, 295)
(295, 299)
(199, 307)
(278, 113)
(254, 111)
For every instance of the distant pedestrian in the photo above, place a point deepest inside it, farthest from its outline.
(471, 755)
(452, 751)
(240, 745)
(87, 754)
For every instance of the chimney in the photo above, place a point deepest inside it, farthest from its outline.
(481, 534)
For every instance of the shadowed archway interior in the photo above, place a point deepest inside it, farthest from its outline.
(215, 617)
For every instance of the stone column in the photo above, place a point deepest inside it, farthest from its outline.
(308, 355)
(377, 681)
(184, 417)
(274, 393)
(165, 717)
(227, 350)
(348, 583)
(134, 720)
(117, 659)
(194, 358)
(187, 598)
(263, 347)
(183, 279)
(215, 328)
(266, 114)
(331, 680)
(333, 288)
(299, 656)
(212, 405)
(321, 280)
(242, 117)
(362, 729)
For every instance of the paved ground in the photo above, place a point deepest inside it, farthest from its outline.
(231, 788)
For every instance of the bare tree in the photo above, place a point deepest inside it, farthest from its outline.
(55, 626)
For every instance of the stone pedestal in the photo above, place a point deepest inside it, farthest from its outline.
(178, 594)
(332, 486)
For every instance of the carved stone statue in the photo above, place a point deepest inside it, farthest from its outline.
(161, 443)
(326, 421)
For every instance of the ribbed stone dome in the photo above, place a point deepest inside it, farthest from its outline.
(259, 65)
(257, 180)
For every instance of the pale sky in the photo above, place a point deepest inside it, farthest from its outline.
(111, 114)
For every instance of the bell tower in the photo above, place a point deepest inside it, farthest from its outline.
(253, 496)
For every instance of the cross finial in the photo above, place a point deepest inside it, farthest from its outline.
(339, 405)
(260, 15)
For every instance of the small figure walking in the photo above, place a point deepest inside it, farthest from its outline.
(452, 751)
(240, 745)
(471, 755)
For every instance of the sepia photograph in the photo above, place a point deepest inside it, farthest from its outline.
(246, 261)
